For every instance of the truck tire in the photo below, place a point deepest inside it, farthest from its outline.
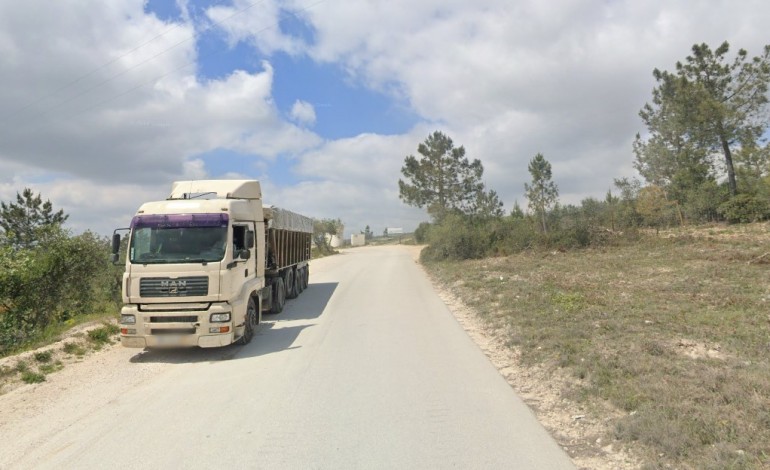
(252, 320)
(300, 281)
(306, 277)
(279, 296)
(291, 284)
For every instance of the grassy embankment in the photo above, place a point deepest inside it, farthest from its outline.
(49, 353)
(674, 331)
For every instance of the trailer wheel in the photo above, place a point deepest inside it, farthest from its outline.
(300, 281)
(251, 324)
(279, 296)
(291, 284)
(306, 277)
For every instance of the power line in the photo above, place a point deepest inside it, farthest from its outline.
(78, 79)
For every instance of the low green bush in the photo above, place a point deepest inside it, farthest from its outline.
(745, 208)
(32, 377)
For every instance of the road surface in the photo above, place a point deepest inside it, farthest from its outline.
(366, 369)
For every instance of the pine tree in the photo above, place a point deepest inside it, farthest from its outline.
(542, 193)
(29, 220)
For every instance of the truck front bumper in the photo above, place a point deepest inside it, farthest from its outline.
(173, 329)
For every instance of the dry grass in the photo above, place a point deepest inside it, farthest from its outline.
(673, 330)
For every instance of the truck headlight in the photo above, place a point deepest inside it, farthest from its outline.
(219, 317)
(127, 319)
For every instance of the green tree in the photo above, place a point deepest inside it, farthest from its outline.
(323, 230)
(653, 206)
(611, 203)
(752, 168)
(487, 204)
(542, 193)
(516, 212)
(625, 208)
(668, 158)
(444, 180)
(28, 220)
(707, 106)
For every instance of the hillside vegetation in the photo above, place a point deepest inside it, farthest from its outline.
(50, 279)
(671, 332)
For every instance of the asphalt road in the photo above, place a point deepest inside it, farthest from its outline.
(366, 369)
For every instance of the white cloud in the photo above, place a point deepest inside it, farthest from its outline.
(114, 102)
(255, 22)
(303, 112)
(102, 126)
(510, 79)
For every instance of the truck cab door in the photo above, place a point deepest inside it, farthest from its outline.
(244, 256)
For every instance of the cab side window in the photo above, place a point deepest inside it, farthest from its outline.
(239, 237)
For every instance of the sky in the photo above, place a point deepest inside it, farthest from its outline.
(104, 104)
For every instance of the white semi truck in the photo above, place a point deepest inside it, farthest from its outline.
(203, 265)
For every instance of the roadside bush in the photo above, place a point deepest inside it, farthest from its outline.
(516, 235)
(103, 334)
(422, 232)
(61, 278)
(578, 236)
(458, 237)
(745, 208)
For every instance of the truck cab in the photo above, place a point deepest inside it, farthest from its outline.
(195, 267)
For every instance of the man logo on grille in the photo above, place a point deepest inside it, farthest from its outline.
(174, 287)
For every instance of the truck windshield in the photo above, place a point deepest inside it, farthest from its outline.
(183, 238)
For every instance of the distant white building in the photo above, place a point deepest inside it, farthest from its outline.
(358, 239)
(333, 240)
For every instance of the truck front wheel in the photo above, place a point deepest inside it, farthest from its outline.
(251, 323)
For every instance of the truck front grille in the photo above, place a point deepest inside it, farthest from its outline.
(173, 331)
(184, 319)
(178, 287)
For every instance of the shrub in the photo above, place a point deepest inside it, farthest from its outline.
(51, 368)
(74, 348)
(43, 356)
(103, 334)
(422, 232)
(513, 235)
(458, 237)
(744, 208)
(61, 278)
(32, 377)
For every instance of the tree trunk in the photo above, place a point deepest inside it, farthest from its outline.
(729, 164)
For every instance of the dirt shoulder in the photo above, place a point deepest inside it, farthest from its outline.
(579, 431)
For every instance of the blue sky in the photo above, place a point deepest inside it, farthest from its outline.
(343, 108)
(321, 100)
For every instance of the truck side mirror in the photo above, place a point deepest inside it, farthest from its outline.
(115, 243)
(244, 254)
(115, 256)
